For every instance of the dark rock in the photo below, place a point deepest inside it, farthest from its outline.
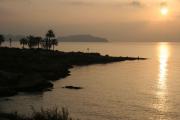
(73, 87)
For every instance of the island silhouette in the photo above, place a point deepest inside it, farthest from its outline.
(81, 38)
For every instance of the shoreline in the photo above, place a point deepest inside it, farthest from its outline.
(31, 70)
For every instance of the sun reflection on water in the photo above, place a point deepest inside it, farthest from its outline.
(163, 64)
(161, 93)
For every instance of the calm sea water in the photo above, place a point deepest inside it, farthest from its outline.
(131, 90)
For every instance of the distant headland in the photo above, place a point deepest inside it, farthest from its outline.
(28, 70)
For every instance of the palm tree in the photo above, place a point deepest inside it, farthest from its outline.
(45, 44)
(2, 39)
(38, 40)
(49, 36)
(10, 41)
(23, 42)
(31, 41)
(54, 43)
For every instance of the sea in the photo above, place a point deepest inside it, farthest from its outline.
(130, 90)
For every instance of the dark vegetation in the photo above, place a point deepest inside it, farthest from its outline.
(36, 41)
(2, 39)
(49, 114)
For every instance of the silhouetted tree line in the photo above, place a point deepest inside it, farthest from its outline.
(2, 39)
(31, 41)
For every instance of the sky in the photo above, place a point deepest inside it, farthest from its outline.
(116, 20)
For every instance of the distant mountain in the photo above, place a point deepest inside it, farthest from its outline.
(81, 38)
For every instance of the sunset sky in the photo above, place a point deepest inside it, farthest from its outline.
(116, 20)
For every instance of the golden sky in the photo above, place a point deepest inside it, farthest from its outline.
(123, 20)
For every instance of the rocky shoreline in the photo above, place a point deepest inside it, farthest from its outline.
(29, 70)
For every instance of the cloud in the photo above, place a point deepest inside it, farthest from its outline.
(15, 1)
(2, 11)
(133, 3)
(78, 3)
(5, 11)
(136, 3)
(163, 4)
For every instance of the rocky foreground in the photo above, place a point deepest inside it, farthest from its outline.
(29, 70)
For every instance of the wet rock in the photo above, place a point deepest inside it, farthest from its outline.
(72, 87)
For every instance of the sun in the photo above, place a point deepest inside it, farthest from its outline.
(164, 11)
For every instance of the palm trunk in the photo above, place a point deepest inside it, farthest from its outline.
(48, 44)
(53, 47)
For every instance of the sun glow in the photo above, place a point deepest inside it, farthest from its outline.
(164, 11)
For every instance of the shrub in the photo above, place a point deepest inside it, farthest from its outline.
(48, 114)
